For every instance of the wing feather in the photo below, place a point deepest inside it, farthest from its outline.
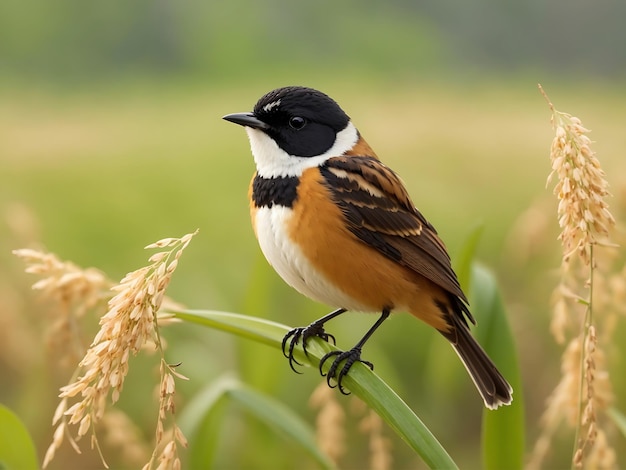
(379, 211)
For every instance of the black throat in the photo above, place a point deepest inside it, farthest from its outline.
(280, 191)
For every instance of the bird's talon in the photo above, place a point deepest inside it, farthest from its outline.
(323, 360)
(293, 337)
(328, 337)
(285, 338)
(351, 356)
(293, 360)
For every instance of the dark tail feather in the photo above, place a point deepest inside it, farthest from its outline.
(494, 388)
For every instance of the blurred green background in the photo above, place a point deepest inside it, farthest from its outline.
(111, 138)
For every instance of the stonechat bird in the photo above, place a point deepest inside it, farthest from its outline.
(339, 226)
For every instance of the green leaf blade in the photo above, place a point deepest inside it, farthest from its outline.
(503, 438)
(361, 381)
(202, 417)
(276, 415)
(201, 421)
(17, 451)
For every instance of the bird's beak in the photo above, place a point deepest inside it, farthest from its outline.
(246, 119)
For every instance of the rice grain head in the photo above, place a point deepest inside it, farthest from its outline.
(128, 325)
(584, 392)
(330, 422)
(581, 188)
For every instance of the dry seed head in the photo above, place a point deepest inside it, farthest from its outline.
(70, 291)
(128, 325)
(168, 458)
(57, 440)
(379, 445)
(584, 390)
(63, 281)
(560, 317)
(563, 401)
(581, 188)
(578, 458)
(602, 455)
(330, 422)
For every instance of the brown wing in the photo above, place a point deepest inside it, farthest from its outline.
(379, 211)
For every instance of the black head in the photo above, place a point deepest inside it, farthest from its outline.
(303, 122)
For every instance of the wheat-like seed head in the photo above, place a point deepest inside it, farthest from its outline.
(128, 325)
(584, 391)
(330, 422)
(379, 445)
(581, 188)
(69, 291)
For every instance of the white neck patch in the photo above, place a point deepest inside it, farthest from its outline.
(272, 161)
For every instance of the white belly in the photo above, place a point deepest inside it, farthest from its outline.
(291, 264)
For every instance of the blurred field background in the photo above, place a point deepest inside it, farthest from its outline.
(111, 138)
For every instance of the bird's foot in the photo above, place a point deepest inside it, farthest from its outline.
(334, 372)
(293, 337)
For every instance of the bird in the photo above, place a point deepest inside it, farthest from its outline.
(339, 226)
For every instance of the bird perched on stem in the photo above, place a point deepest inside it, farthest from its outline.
(339, 226)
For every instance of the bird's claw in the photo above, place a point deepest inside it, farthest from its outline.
(351, 356)
(293, 337)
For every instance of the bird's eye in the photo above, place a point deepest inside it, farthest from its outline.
(297, 122)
